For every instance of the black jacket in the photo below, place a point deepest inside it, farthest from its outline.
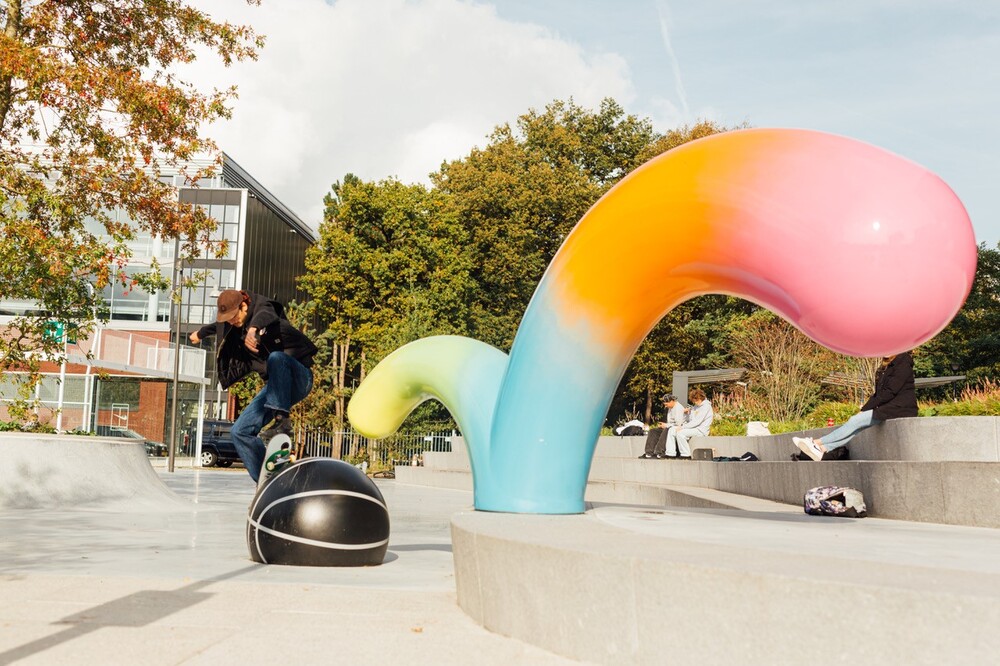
(895, 395)
(234, 361)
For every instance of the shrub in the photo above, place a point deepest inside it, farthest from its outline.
(838, 411)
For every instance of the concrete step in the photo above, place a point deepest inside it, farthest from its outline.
(952, 493)
(937, 439)
(627, 585)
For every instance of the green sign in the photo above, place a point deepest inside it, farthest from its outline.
(54, 330)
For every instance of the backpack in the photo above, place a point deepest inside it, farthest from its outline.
(834, 501)
(632, 430)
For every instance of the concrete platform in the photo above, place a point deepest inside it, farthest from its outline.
(622, 585)
(115, 582)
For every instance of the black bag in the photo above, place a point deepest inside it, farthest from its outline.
(746, 457)
(839, 453)
(631, 431)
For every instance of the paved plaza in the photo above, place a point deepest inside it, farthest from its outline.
(110, 583)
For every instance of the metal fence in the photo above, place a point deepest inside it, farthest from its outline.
(399, 449)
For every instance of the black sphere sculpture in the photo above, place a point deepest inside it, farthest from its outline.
(319, 512)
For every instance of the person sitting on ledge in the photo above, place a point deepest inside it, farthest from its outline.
(895, 397)
(698, 423)
(656, 440)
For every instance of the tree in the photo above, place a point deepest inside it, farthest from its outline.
(785, 366)
(90, 111)
(971, 342)
(518, 197)
(388, 269)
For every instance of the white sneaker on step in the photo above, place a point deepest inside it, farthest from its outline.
(809, 447)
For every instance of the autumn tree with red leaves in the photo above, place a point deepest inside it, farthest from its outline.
(91, 110)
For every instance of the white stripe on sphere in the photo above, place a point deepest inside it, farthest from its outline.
(313, 542)
(313, 493)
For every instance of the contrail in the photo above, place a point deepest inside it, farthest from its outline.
(664, 12)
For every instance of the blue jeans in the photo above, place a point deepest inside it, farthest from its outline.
(288, 382)
(851, 427)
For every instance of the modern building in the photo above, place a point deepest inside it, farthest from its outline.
(133, 351)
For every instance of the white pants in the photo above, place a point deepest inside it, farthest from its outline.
(678, 440)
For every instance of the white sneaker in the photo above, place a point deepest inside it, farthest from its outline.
(809, 447)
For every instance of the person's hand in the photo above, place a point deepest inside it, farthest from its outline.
(194, 338)
(661, 424)
(251, 339)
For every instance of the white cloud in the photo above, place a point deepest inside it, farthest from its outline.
(387, 88)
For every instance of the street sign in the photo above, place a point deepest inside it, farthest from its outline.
(54, 330)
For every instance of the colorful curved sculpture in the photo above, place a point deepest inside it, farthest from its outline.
(865, 252)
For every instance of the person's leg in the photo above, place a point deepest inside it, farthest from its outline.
(654, 434)
(842, 435)
(288, 382)
(683, 448)
(670, 445)
(660, 448)
(248, 445)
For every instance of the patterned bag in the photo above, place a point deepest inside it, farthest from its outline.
(834, 501)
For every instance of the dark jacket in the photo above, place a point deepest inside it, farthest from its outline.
(234, 361)
(895, 395)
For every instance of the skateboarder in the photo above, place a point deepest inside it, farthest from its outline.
(255, 336)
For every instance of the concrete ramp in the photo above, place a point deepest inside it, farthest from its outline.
(53, 471)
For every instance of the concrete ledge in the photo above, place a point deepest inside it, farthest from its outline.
(953, 493)
(646, 586)
(920, 439)
(52, 471)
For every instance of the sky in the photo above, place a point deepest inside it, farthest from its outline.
(392, 88)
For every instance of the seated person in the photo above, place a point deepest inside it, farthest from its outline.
(699, 420)
(657, 437)
(895, 396)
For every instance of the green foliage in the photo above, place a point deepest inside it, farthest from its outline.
(728, 427)
(245, 389)
(27, 426)
(970, 344)
(837, 411)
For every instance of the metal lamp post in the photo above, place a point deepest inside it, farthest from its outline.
(175, 318)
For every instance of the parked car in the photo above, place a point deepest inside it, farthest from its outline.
(153, 449)
(216, 443)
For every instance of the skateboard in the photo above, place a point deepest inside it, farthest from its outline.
(277, 454)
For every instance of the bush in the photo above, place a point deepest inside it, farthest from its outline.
(838, 411)
(728, 427)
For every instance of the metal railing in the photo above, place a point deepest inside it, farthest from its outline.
(399, 449)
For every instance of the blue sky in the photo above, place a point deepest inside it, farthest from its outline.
(391, 88)
(919, 78)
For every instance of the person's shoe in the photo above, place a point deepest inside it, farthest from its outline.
(646, 456)
(684, 457)
(282, 426)
(809, 447)
(659, 456)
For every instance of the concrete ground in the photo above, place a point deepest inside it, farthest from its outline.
(109, 583)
